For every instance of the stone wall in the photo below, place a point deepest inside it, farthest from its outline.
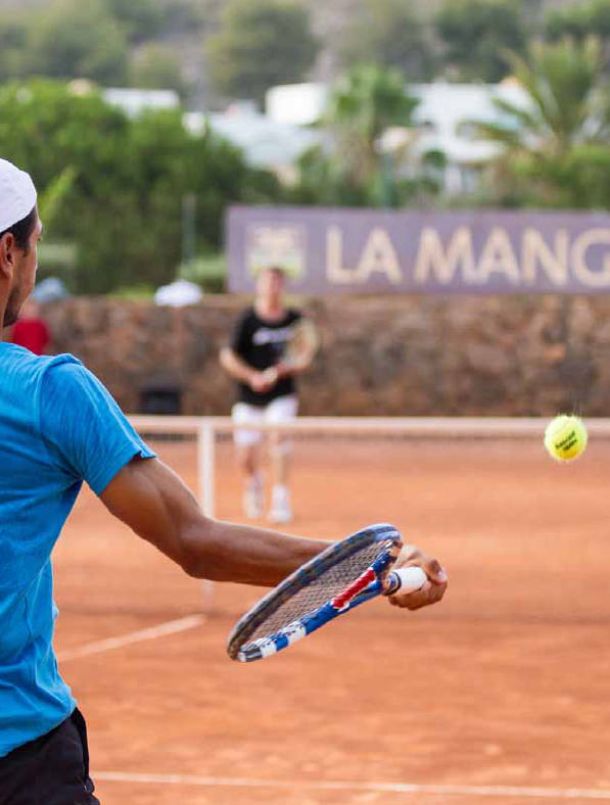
(401, 355)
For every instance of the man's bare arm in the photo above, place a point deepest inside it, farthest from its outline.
(235, 366)
(152, 500)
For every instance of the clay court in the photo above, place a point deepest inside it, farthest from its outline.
(498, 695)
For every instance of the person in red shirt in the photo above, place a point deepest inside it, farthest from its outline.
(31, 330)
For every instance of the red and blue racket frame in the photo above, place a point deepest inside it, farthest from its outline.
(380, 545)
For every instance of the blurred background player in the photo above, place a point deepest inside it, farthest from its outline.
(266, 390)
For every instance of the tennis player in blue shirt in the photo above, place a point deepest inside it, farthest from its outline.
(59, 427)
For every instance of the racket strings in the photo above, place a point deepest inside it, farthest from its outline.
(318, 591)
(303, 342)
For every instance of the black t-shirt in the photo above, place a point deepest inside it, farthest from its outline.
(261, 344)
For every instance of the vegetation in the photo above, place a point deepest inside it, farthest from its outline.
(554, 151)
(156, 66)
(209, 271)
(390, 33)
(251, 46)
(114, 187)
(476, 35)
(590, 18)
(92, 46)
(361, 167)
(102, 42)
(259, 45)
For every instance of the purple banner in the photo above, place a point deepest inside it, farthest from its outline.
(370, 251)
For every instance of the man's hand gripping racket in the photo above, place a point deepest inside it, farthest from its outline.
(345, 575)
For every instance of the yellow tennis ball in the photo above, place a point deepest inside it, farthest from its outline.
(565, 437)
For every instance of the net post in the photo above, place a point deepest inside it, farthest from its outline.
(205, 475)
(205, 465)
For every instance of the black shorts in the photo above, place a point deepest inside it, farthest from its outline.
(52, 770)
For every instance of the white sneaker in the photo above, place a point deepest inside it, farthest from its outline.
(281, 510)
(253, 499)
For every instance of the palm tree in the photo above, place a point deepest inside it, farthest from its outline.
(367, 102)
(568, 108)
(367, 159)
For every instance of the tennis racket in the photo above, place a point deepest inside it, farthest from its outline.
(342, 577)
(302, 345)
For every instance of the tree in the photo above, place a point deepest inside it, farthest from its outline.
(581, 180)
(260, 45)
(13, 39)
(579, 22)
(72, 39)
(156, 66)
(591, 18)
(360, 167)
(390, 33)
(141, 19)
(565, 122)
(113, 187)
(477, 33)
(366, 102)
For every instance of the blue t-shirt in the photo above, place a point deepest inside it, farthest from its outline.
(59, 427)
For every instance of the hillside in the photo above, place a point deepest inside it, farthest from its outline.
(187, 23)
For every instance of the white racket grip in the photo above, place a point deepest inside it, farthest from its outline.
(407, 579)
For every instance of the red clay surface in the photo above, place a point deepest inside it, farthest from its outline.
(505, 683)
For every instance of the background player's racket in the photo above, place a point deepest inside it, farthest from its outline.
(340, 578)
(303, 344)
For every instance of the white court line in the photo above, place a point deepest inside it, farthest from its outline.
(523, 792)
(99, 646)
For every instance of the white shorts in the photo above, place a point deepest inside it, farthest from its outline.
(280, 410)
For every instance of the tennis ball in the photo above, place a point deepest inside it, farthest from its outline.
(565, 437)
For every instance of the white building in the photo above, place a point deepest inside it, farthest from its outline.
(277, 139)
(264, 142)
(441, 119)
(136, 101)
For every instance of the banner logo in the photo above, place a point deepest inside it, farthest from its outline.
(281, 246)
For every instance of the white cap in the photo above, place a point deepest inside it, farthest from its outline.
(17, 195)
